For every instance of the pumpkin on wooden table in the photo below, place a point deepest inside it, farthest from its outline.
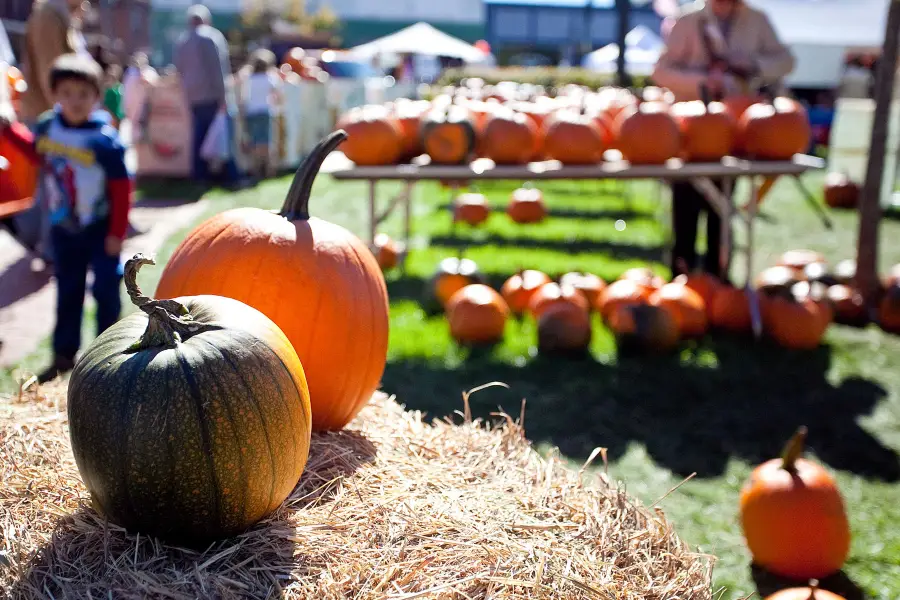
(775, 130)
(818, 293)
(316, 280)
(840, 191)
(686, 307)
(189, 419)
(730, 310)
(889, 310)
(451, 275)
(647, 134)
(477, 315)
(526, 205)
(508, 138)
(448, 135)
(551, 294)
(386, 251)
(811, 592)
(704, 284)
(624, 292)
(590, 286)
(374, 137)
(408, 114)
(471, 208)
(643, 328)
(707, 130)
(644, 276)
(848, 305)
(564, 328)
(575, 139)
(518, 289)
(793, 516)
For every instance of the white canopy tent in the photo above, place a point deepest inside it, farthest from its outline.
(420, 39)
(642, 50)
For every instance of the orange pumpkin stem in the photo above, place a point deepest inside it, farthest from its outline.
(168, 322)
(794, 450)
(296, 204)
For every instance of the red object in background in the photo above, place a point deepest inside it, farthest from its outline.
(18, 177)
(483, 46)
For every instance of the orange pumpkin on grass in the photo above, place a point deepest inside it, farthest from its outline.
(848, 305)
(889, 310)
(643, 328)
(551, 294)
(686, 307)
(386, 251)
(564, 328)
(624, 292)
(477, 315)
(317, 281)
(588, 284)
(704, 284)
(452, 275)
(470, 208)
(793, 516)
(374, 136)
(794, 323)
(518, 289)
(526, 205)
(730, 310)
(812, 592)
(840, 191)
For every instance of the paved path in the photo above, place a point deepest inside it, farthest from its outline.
(28, 297)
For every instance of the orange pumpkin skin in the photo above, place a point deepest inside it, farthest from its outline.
(703, 283)
(847, 304)
(623, 292)
(477, 315)
(707, 130)
(644, 276)
(471, 209)
(730, 310)
(647, 135)
(386, 251)
(18, 180)
(552, 294)
(408, 115)
(573, 139)
(889, 310)
(686, 307)
(374, 137)
(452, 275)
(774, 131)
(778, 280)
(840, 191)
(804, 593)
(796, 324)
(564, 328)
(518, 289)
(794, 521)
(508, 138)
(448, 135)
(317, 281)
(526, 206)
(590, 286)
(294, 59)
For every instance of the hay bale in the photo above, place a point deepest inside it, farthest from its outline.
(392, 508)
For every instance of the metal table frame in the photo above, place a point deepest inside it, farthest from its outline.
(701, 176)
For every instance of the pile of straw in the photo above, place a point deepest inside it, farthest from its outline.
(392, 508)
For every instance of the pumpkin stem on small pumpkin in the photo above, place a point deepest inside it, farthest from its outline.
(793, 450)
(296, 204)
(169, 321)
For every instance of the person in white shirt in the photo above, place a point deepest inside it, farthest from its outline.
(260, 101)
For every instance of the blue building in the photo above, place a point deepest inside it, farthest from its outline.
(534, 32)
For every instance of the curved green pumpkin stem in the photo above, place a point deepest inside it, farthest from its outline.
(794, 450)
(296, 204)
(168, 322)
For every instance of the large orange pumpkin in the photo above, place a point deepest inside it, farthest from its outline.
(564, 328)
(647, 134)
(623, 292)
(812, 592)
(508, 138)
(470, 208)
(552, 294)
(730, 310)
(774, 130)
(317, 281)
(477, 315)
(889, 310)
(575, 139)
(518, 289)
(526, 205)
(643, 328)
(18, 176)
(374, 136)
(794, 323)
(793, 516)
(707, 130)
(452, 275)
(590, 286)
(686, 307)
(840, 191)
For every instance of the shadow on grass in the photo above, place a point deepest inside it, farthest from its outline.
(85, 555)
(723, 399)
(624, 214)
(839, 583)
(621, 251)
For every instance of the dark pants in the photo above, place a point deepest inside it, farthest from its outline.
(73, 253)
(687, 204)
(204, 114)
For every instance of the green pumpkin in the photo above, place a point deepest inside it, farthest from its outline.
(190, 420)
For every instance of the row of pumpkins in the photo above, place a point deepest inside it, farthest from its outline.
(576, 128)
(191, 419)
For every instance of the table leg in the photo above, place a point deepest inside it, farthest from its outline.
(752, 298)
(727, 247)
(407, 220)
(373, 218)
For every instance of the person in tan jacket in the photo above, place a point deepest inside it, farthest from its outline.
(49, 33)
(729, 48)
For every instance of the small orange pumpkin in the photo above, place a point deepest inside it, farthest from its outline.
(477, 315)
(526, 205)
(812, 592)
(551, 294)
(840, 191)
(624, 292)
(564, 328)
(575, 139)
(408, 114)
(588, 284)
(374, 136)
(793, 516)
(707, 130)
(686, 307)
(518, 289)
(730, 310)
(703, 283)
(643, 328)
(470, 208)
(647, 134)
(848, 305)
(775, 130)
(452, 275)
(386, 251)
(508, 138)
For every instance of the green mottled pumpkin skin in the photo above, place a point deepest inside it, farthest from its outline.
(194, 442)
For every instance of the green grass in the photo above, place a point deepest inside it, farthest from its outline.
(716, 408)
